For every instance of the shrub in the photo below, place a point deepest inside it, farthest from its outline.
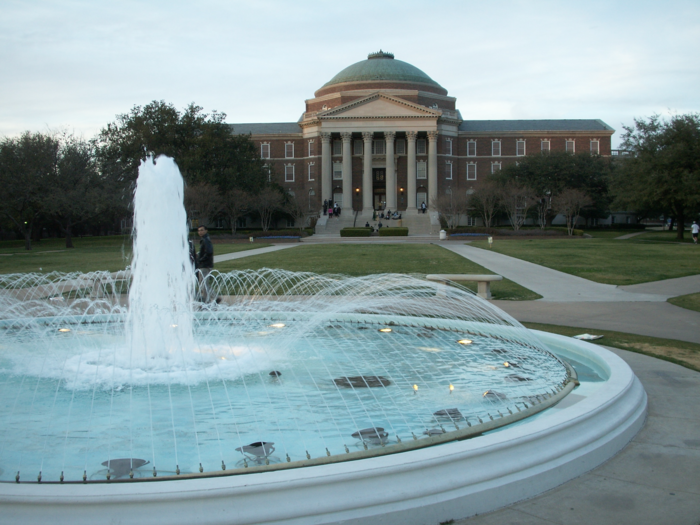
(356, 232)
(393, 232)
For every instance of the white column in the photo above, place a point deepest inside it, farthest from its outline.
(367, 191)
(432, 165)
(411, 181)
(326, 186)
(347, 171)
(390, 171)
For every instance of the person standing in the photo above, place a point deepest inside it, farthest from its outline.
(205, 263)
(423, 206)
(694, 229)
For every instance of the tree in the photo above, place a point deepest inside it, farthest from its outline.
(236, 204)
(548, 174)
(663, 170)
(517, 199)
(266, 203)
(203, 202)
(298, 210)
(569, 203)
(75, 191)
(27, 165)
(485, 200)
(202, 144)
(451, 206)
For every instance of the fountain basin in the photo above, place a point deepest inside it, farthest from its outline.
(448, 481)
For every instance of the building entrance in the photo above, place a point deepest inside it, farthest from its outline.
(379, 188)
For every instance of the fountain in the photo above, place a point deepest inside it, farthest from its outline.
(301, 398)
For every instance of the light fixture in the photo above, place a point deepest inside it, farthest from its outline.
(277, 325)
(357, 190)
(465, 341)
(451, 387)
(415, 389)
(64, 329)
(385, 330)
(506, 364)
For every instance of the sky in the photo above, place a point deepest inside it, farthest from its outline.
(71, 65)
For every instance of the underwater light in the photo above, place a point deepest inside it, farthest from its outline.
(465, 341)
(385, 330)
(64, 329)
(277, 325)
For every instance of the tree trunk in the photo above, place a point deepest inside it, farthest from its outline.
(69, 235)
(680, 225)
(27, 238)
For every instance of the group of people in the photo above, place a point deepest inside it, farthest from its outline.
(389, 215)
(331, 208)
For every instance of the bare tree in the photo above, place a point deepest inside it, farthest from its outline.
(236, 204)
(203, 202)
(544, 208)
(569, 203)
(452, 206)
(517, 199)
(266, 203)
(298, 209)
(486, 200)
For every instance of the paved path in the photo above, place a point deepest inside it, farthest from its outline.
(250, 253)
(552, 285)
(654, 480)
(628, 236)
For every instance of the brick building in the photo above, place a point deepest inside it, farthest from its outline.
(382, 133)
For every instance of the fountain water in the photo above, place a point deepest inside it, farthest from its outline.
(296, 380)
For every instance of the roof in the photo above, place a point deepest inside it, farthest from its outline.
(381, 66)
(266, 128)
(535, 125)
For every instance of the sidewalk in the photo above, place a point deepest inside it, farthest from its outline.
(254, 251)
(654, 480)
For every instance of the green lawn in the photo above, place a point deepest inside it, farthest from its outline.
(366, 259)
(644, 258)
(111, 253)
(691, 301)
(678, 352)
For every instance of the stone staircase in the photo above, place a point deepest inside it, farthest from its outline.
(331, 227)
(418, 224)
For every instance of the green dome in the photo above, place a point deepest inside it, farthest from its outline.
(383, 67)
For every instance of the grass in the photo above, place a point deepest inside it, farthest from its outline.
(678, 352)
(366, 259)
(111, 253)
(644, 258)
(689, 302)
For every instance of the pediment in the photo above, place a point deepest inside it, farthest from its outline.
(379, 106)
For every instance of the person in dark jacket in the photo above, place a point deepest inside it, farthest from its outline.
(205, 263)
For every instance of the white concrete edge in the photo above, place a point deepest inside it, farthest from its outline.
(431, 485)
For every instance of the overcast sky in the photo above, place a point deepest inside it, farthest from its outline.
(76, 64)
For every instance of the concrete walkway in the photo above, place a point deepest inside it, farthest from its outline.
(552, 285)
(254, 251)
(654, 480)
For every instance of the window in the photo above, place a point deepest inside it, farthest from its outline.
(496, 148)
(337, 171)
(357, 147)
(420, 147)
(311, 148)
(595, 147)
(471, 148)
(378, 147)
(471, 171)
(571, 146)
(337, 147)
(289, 173)
(448, 146)
(544, 145)
(495, 167)
(520, 148)
(265, 150)
(289, 150)
(471, 220)
(401, 147)
(421, 171)
(311, 170)
(448, 170)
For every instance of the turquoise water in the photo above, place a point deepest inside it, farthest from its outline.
(73, 400)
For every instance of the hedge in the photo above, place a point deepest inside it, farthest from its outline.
(356, 232)
(393, 232)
